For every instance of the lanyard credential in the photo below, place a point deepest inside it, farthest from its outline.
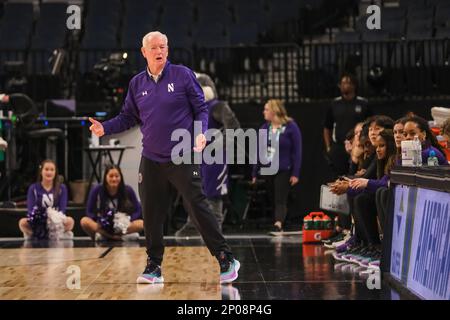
(276, 137)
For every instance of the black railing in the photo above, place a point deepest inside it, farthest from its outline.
(291, 72)
(253, 73)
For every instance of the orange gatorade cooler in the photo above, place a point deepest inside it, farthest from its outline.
(321, 227)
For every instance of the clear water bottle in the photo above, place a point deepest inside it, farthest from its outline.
(432, 159)
(417, 152)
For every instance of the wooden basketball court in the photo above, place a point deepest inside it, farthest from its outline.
(106, 273)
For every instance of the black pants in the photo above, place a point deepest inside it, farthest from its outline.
(216, 205)
(358, 229)
(365, 215)
(278, 188)
(345, 221)
(381, 200)
(338, 160)
(154, 191)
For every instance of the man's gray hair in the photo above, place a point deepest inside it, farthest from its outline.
(152, 34)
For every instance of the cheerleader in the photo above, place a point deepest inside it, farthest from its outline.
(113, 211)
(46, 204)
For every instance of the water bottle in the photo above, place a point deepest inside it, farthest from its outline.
(417, 152)
(432, 159)
(95, 140)
(318, 223)
(308, 223)
(327, 223)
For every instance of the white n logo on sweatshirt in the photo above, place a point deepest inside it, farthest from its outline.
(170, 87)
(47, 200)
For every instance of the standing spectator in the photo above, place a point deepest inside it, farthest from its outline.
(342, 116)
(287, 134)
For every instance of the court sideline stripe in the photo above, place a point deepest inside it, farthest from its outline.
(104, 254)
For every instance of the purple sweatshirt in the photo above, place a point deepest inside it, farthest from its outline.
(39, 198)
(214, 176)
(174, 102)
(442, 160)
(99, 203)
(290, 149)
(374, 184)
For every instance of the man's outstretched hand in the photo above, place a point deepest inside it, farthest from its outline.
(200, 143)
(96, 127)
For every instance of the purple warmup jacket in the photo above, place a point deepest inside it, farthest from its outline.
(99, 203)
(214, 176)
(290, 153)
(39, 198)
(174, 102)
(442, 160)
(374, 184)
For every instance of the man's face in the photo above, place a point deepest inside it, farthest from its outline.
(347, 87)
(156, 51)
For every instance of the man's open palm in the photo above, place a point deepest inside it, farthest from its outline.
(96, 127)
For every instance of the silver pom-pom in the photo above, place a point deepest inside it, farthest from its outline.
(121, 222)
(55, 223)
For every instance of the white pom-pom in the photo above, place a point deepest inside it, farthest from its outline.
(121, 222)
(55, 223)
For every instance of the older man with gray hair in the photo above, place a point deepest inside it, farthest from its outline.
(161, 99)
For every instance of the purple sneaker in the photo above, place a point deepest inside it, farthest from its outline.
(152, 274)
(375, 264)
(338, 256)
(229, 268)
(345, 246)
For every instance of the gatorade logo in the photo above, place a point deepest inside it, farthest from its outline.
(317, 236)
